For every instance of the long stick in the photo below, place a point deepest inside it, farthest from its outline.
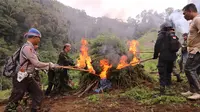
(145, 52)
(142, 61)
(72, 68)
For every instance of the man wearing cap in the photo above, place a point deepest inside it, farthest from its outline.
(24, 80)
(63, 78)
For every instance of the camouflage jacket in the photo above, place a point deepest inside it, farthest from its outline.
(184, 47)
(65, 60)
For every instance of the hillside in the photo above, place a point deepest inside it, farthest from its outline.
(146, 44)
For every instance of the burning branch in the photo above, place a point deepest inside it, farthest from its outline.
(133, 49)
(85, 58)
(123, 62)
(105, 65)
(141, 61)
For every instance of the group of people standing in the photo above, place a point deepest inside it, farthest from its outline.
(190, 53)
(165, 49)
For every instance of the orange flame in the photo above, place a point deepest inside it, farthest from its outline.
(133, 48)
(89, 65)
(104, 63)
(123, 62)
(84, 57)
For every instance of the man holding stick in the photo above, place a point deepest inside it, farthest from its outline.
(24, 80)
(63, 77)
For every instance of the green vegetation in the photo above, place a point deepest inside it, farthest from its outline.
(146, 44)
(146, 96)
(4, 94)
(94, 98)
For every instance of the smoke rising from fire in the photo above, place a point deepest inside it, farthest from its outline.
(110, 53)
(178, 19)
(121, 9)
(179, 22)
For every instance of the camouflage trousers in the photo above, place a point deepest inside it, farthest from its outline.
(57, 82)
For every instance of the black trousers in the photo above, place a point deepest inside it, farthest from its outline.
(165, 69)
(191, 66)
(27, 85)
(51, 76)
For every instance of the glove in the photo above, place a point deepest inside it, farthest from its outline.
(52, 66)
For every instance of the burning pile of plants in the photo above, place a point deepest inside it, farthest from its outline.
(111, 64)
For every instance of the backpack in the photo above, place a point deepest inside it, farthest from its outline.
(174, 44)
(12, 64)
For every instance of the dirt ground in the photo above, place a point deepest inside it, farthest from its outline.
(111, 104)
(116, 104)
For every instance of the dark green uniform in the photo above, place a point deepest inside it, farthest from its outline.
(64, 60)
(59, 78)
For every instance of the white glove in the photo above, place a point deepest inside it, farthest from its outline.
(52, 66)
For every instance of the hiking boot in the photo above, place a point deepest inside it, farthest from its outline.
(188, 93)
(195, 96)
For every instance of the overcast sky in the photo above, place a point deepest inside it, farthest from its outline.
(122, 9)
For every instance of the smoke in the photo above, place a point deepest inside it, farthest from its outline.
(110, 53)
(180, 23)
(197, 3)
(119, 14)
(88, 4)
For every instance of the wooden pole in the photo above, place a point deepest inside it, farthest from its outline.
(145, 52)
(75, 68)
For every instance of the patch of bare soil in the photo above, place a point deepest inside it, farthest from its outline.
(69, 104)
(111, 104)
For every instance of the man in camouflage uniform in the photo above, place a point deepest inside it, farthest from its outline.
(183, 59)
(176, 73)
(59, 79)
(28, 84)
(184, 53)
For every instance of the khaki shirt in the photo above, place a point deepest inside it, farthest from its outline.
(193, 40)
(29, 53)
